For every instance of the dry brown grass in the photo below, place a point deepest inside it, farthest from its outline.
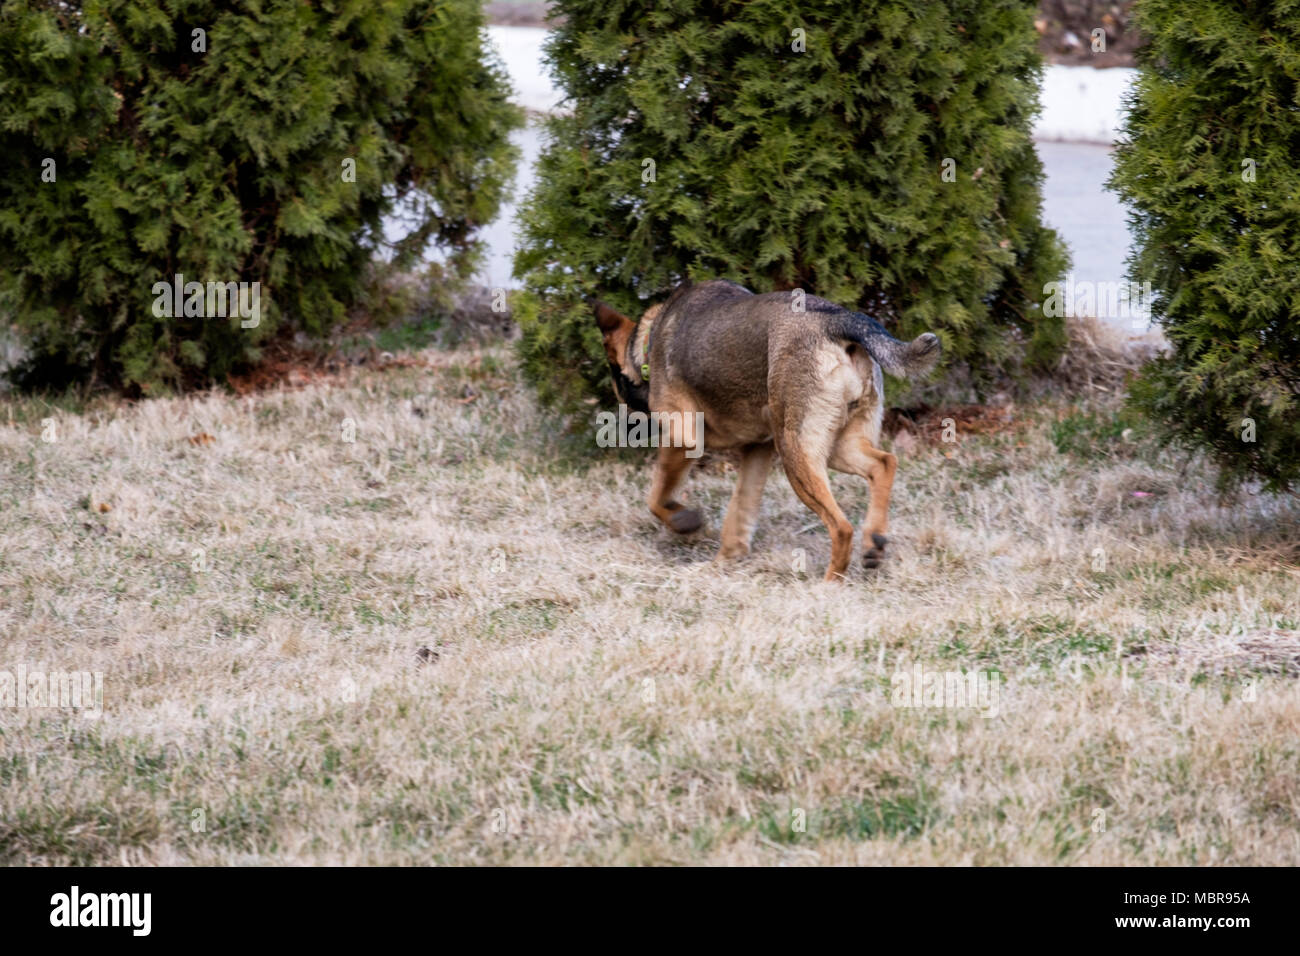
(1100, 356)
(601, 692)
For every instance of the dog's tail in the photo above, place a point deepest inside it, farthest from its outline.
(895, 357)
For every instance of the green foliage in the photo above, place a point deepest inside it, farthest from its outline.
(221, 156)
(819, 170)
(1218, 87)
(1100, 434)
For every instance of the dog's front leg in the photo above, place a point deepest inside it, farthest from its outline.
(669, 471)
(738, 527)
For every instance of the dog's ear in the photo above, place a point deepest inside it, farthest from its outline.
(615, 328)
(607, 318)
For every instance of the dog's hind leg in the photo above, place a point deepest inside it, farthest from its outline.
(855, 455)
(809, 481)
(881, 476)
(738, 527)
(670, 468)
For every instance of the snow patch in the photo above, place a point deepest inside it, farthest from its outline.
(1083, 105)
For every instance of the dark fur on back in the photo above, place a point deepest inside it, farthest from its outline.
(701, 322)
(728, 315)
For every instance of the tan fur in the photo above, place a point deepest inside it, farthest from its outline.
(638, 352)
(616, 332)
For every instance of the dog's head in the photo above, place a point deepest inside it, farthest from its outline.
(625, 350)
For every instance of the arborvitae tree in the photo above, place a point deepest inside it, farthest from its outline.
(874, 152)
(230, 142)
(1210, 170)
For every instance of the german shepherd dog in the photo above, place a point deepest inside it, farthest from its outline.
(767, 378)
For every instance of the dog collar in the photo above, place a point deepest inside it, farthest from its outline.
(643, 349)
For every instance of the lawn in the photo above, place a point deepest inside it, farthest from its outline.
(459, 637)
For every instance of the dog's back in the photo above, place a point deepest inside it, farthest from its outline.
(716, 345)
(720, 341)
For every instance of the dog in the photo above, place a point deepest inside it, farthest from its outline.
(782, 372)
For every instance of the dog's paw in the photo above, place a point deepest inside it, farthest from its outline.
(872, 557)
(731, 552)
(685, 521)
